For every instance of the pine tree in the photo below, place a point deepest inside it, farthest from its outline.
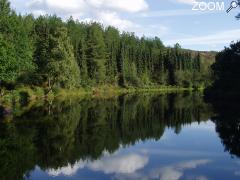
(16, 46)
(112, 41)
(54, 54)
(82, 62)
(96, 54)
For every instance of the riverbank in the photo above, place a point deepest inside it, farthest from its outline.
(26, 97)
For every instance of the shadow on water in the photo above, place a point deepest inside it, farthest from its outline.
(56, 135)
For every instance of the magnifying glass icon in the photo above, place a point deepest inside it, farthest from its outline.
(233, 4)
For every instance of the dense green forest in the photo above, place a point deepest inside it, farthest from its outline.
(50, 53)
(226, 74)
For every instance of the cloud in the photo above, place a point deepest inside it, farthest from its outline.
(67, 170)
(171, 172)
(222, 37)
(237, 173)
(70, 7)
(192, 164)
(175, 172)
(168, 173)
(62, 8)
(187, 1)
(113, 19)
(203, 126)
(119, 164)
(120, 5)
(177, 12)
(179, 153)
(108, 164)
(107, 12)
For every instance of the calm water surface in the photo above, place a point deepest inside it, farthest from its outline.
(167, 137)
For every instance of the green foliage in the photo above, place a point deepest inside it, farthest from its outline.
(50, 53)
(54, 56)
(112, 41)
(96, 53)
(16, 46)
(226, 73)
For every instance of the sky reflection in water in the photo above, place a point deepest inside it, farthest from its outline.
(148, 136)
(195, 153)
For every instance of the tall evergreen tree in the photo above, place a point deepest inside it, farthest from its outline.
(16, 46)
(54, 54)
(112, 41)
(96, 53)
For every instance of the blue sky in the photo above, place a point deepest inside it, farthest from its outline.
(171, 20)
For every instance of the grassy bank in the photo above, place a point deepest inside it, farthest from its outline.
(26, 97)
(109, 91)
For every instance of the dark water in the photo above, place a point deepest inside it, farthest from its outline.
(167, 137)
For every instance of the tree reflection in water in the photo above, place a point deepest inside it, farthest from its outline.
(68, 132)
(227, 120)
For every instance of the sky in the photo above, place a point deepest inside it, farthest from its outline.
(173, 21)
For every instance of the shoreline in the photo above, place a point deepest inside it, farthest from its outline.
(27, 97)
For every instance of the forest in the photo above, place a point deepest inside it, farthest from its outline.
(226, 74)
(50, 53)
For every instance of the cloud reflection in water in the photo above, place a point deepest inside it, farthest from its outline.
(108, 164)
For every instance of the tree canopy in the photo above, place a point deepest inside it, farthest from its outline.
(51, 53)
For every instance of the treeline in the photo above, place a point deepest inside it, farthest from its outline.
(50, 53)
(226, 74)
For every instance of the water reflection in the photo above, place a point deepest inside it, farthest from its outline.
(171, 172)
(227, 120)
(108, 164)
(103, 135)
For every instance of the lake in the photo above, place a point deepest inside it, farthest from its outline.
(144, 136)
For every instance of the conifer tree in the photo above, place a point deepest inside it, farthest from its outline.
(96, 53)
(54, 54)
(16, 46)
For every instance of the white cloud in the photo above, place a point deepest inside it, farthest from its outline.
(119, 164)
(171, 172)
(168, 173)
(222, 37)
(113, 19)
(186, 1)
(68, 6)
(108, 164)
(57, 6)
(120, 5)
(67, 170)
(175, 172)
(107, 12)
(237, 173)
(192, 164)
(81, 6)
(38, 12)
(203, 126)
(176, 12)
